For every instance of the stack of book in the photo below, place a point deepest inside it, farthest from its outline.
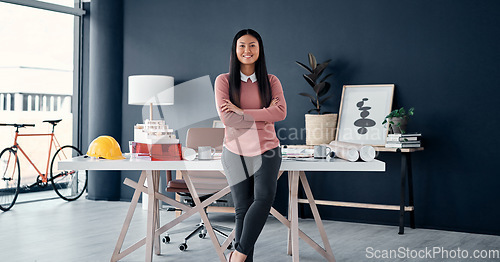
(403, 140)
(297, 151)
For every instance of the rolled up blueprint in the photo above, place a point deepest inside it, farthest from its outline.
(366, 152)
(347, 153)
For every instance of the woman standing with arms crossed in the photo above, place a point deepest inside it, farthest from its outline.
(249, 101)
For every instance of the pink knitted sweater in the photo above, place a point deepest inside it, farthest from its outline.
(253, 132)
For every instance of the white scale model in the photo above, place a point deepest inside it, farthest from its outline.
(154, 132)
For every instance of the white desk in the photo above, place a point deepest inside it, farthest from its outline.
(151, 171)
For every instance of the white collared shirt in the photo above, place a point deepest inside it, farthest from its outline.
(245, 78)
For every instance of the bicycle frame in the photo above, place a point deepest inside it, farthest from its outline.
(53, 142)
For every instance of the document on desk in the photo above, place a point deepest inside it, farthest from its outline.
(309, 159)
(297, 152)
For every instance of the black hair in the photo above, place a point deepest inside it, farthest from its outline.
(260, 72)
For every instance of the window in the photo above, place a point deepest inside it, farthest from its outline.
(69, 3)
(39, 67)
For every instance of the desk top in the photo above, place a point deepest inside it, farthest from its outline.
(392, 149)
(143, 163)
(377, 148)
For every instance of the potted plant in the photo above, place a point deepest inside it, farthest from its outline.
(398, 119)
(320, 127)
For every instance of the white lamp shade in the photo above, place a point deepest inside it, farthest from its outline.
(146, 89)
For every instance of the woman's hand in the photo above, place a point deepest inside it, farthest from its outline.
(230, 107)
(274, 101)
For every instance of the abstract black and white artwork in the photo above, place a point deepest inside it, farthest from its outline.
(362, 110)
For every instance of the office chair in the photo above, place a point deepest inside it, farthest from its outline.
(206, 183)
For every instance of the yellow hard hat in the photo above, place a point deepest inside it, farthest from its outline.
(105, 147)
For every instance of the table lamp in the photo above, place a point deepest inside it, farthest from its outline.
(150, 89)
(154, 137)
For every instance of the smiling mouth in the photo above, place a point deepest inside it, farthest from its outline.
(247, 56)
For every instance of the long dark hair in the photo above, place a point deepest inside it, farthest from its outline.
(260, 72)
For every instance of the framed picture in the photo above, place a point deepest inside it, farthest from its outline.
(362, 110)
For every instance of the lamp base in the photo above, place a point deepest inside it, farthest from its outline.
(151, 111)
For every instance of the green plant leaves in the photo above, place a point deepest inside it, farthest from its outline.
(307, 95)
(315, 71)
(313, 77)
(312, 61)
(304, 66)
(319, 70)
(314, 109)
(324, 99)
(312, 98)
(324, 90)
(319, 87)
(400, 113)
(327, 76)
(313, 101)
(309, 80)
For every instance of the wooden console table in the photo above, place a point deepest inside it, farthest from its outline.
(406, 172)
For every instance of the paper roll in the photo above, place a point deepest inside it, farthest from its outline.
(346, 153)
(188, 154)
(366, 152)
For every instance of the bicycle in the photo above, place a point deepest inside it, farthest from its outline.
(68, 184)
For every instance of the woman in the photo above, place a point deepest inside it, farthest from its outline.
(249, 101)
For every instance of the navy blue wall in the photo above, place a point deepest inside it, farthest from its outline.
(443, 57)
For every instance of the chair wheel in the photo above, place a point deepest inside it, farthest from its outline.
(202, 235)
(166, 239)
(183, 247)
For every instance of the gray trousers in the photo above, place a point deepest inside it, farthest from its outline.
(253, 183)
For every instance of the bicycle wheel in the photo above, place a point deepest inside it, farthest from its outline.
(10, 175)
(68, 184)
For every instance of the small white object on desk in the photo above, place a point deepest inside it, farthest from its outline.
(294, 152)
(188, 154)
(205, 152)
(365, 152)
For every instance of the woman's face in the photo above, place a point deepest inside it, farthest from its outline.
(247, 49)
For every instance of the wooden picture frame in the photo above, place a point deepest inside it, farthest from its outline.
(363, 108)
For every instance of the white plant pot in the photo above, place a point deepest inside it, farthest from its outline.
(320, 129)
